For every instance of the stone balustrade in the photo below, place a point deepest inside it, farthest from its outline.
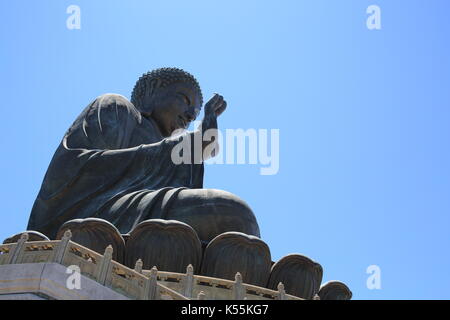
(214, 288)
(133, 283)
(100, 268)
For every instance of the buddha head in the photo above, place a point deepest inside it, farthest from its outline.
(171, 97)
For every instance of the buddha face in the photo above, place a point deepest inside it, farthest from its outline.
(174, 107)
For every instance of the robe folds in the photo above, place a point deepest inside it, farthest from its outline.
(112, 164)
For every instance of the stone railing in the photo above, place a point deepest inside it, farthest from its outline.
(191, 285)
(135, 284)
(100, 268)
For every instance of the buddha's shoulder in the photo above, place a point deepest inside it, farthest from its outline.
(114, 102)
(112, 98)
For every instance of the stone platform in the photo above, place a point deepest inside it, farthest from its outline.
(159, 259)
(48, 281)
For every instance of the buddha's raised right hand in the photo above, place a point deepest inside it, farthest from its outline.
(215, 106)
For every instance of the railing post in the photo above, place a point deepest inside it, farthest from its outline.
(281, 292)
(61, 249)
(238, 288)
(105, 265)
(188, 283)
(16, 254)
(138, 266)
(138, 269)
(201, 296)
(151, 288)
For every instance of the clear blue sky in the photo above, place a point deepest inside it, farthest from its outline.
(363, 116)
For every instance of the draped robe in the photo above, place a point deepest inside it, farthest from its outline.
(112, 164)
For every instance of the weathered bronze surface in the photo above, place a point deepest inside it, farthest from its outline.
(32, 236)
(168, 245)
(300, 275)
(335, 290)
(95, 234)
(114, 163)
(233, 252)
(113, 181)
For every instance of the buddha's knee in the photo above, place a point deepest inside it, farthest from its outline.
(232, 209)
(211, 212)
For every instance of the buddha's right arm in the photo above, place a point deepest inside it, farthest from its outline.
(144, 152)
(105, 129)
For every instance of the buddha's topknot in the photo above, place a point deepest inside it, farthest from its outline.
(166, 76)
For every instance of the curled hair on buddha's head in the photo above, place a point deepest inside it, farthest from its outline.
(164, 77)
